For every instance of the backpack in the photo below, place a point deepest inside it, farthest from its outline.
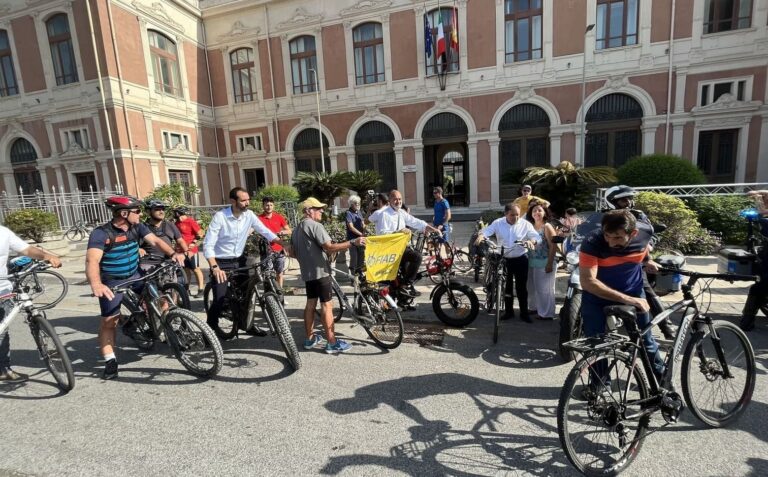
(109, 230)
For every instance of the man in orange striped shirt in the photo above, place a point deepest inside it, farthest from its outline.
(611, 262)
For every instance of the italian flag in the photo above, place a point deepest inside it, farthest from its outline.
(440, 38)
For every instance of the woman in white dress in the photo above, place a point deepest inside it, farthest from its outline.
(541, 263)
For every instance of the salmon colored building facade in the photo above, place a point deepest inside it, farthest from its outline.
(95, 93)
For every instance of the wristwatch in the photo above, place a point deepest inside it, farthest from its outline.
(214, 267)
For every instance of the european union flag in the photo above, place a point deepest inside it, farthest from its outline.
(427, 37)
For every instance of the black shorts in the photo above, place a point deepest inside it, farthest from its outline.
(190, 262)
(320, 288)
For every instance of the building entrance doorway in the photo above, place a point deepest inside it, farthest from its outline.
(446, 165)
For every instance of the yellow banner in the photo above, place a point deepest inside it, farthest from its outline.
(383, 254)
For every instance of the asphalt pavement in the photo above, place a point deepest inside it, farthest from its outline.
(446, 402)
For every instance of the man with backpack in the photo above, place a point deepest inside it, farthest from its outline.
(163, 229)
(112, 258)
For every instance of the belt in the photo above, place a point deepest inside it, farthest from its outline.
(228, 260)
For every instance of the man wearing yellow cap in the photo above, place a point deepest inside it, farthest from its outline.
(309, 241)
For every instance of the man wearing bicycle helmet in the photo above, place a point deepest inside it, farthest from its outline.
(165, 230)
(113, 258)
(10, 242)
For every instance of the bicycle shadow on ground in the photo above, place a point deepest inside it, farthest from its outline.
(759, 467)
(435, 448)
(40, 386)
(752, 421)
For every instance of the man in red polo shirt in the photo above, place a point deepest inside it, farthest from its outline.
(278, 225)
(191, 232)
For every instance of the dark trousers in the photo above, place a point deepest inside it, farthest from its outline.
(409, 264)
(220, 289)
(517, 283)
(356, 258)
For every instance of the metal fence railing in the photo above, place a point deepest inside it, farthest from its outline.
(70, 207)
(689, 191)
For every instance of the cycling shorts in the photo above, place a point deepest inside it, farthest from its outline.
(112, 307)
(320, 288)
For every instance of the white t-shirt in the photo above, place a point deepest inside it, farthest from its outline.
(507, 234)
(389, 220)
(9, 241)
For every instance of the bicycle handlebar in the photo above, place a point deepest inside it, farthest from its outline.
(160, 268)
(261, 263)
(35, 266)
(730, 277)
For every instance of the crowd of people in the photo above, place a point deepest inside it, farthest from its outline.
(613, 258)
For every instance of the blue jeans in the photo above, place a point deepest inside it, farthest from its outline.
(447, 229)
(593, 323)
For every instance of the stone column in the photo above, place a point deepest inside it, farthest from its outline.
(649, 138)
(472, 159)
(10, 183)
(231, 173)
(495, 175)
(419, 155)
(677, 139)
(399, 167)
(204, 183)
(290, 163)
(59, 177)
(106, 176)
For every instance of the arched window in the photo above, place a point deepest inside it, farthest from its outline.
(445, 127)
(448, 17)
(165, 64)
(303, 59)
(8, 85)
(374, 151)
(524, 133)
(243, 74)
(613, 130)
(369, 53)
(62, 53)
(306, 150)
(24, 163)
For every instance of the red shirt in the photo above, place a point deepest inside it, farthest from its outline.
(189, 228)
(275, 224)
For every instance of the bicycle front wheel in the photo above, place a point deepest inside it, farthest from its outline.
(599, 419)
(387, 331)
(276, 311)
(74, 234)
(46, 288)
(193, 342)
(718, 374)
(52, 352)
(178, 294)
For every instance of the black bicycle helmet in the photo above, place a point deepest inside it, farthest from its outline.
(619, 192)
(181, 210)
(120, 202)
(150, 204)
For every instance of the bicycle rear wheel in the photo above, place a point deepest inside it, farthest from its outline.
(74, 234)
(462, 262)
(46, 288)
(596, 435)
(388, 330)
(716, 396)
(193, 342)
(227, 325)
(52, 352)
(276, 311)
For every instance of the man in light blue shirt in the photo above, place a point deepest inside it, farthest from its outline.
(224, 244)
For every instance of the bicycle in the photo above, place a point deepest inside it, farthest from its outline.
(153, 316)
(45, 287)
(454, 303)
(372, 307)
(48, 343)
(607, 400)
(168, 279)
(494, 284)
(79, 231)
(258, 288)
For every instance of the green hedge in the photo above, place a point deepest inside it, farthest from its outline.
(659, 170)
(684, 232)
(32, 223)
(720, 214)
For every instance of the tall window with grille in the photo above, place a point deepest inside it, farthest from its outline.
(306, 150)
(522, 30)
(184, 178)
(717, 153)
(450, 61)
(243, 75)
(8, 85)
(303, 59)
(613, 130)
(374, 151)
(24, 164)
(62, 52)
(369, 53)
(725, 15)
(165, 64)
(616, 23)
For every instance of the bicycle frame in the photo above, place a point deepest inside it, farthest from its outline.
(347, 306)
(21, 302)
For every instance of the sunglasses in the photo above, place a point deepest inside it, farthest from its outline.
(135, 211)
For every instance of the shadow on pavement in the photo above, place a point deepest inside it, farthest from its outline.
(435, 448)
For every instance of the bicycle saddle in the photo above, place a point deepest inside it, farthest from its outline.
(623, 312)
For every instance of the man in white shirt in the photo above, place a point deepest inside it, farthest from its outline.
(9, 241)
(509, 230)
(393, 218)
(224, 244)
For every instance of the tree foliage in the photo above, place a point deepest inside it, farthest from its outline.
(565, 185)
(32, 223)
(174, 194)
(659, 170)
(322, 186)
(363, 181)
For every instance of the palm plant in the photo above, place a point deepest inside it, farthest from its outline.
(363, 181)
(322, 186)
(565, 185)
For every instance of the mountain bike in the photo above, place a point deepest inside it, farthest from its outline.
(251, 287)
(45, 287)
(494, 284)
(52, 352)
(371, 307)
(168, 279)
(608, 399)
(153, 316)
(79, 231)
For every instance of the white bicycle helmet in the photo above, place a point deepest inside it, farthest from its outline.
(619, 192)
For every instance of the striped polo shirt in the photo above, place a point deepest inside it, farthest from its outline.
(121, 249)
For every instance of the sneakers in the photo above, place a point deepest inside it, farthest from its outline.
(11, 376)
(110, 370)
(339, 346)
(316, 339)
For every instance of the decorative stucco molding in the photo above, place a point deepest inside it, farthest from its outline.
(240, 30)
(365, 6)
(300, 18)
(157, 11)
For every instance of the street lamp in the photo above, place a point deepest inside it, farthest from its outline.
(319, 123)
(583, 95)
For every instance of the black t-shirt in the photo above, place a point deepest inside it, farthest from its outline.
(167, 232)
